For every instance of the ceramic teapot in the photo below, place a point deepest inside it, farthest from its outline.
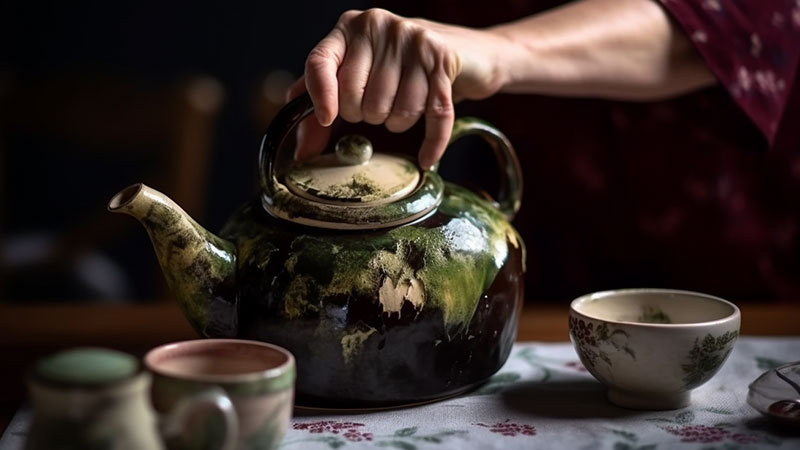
(389, 285)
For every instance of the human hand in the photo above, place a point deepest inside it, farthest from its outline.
(381, 68)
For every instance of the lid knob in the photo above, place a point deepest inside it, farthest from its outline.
(353, 150)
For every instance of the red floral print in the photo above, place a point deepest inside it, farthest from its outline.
(743, 438)
(706, 434)
(508, 428)
(349, 430)
(699, 433)
(587, 337)
(585, 342)
(582, 332)
(575, 365)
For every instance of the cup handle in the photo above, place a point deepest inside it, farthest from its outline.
(175, 421)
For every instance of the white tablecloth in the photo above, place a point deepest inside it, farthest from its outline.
(544, 399)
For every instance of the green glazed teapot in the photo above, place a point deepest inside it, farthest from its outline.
(389, 285)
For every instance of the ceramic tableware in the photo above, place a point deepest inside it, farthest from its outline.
(97, 399)
(258, 378)
(388, 284)
(776, 394)
(651, 347)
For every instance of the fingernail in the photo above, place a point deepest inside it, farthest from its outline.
(322, 118)
(425, 165)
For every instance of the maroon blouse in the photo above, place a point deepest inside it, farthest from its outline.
(699, 192)
(751, 46)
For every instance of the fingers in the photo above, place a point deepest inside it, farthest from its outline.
(311, 136)
(410, 101)
(439, 117)
(297, 88)
(381, 89)
(311, 139)
(353, 76)
(381, 68)
(321, 68)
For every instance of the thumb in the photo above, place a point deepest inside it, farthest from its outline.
(311, 136)
(297, 88)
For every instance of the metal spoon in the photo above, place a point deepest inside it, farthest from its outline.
(786, 411)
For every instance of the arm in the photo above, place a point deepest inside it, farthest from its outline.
(385, 69)
(616, 49)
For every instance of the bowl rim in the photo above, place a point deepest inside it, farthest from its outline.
(734, 315)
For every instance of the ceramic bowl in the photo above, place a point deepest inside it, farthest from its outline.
(651, 347)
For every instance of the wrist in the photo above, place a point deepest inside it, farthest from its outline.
(488, 60)
(512, 59)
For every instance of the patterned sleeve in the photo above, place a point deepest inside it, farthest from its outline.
(751, 46)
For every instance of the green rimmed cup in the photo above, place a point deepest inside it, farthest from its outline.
(258, 378)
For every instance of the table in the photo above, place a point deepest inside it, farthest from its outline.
(544, 398)
(29, 332)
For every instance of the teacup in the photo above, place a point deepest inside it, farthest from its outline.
(651, 347)
(258, 378)
(96, 398)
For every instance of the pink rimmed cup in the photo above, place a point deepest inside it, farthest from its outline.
(258, 378)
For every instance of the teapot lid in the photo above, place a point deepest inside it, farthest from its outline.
(354, 175)
(355, 190)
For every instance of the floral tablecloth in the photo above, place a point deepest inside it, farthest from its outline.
(544, 398)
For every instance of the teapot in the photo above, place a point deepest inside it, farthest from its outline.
(389, 285)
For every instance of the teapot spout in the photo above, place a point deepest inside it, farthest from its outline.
(198, 265)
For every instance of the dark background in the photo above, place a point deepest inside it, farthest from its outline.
(49, 184)
(680, 194)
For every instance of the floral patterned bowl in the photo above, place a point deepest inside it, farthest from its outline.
(651, 347)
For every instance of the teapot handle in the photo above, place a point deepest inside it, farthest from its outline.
(510, 195)
(509, 198)
(284, 122)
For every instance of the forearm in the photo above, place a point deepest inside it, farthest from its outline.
(620, 49)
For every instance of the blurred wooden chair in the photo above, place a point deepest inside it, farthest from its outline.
(68, 143)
